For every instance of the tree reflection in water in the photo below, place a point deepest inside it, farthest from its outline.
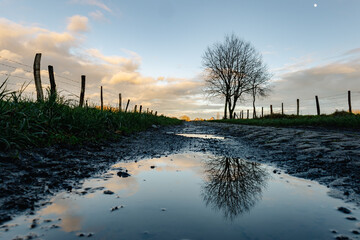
(233, 185)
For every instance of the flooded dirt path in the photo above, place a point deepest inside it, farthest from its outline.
(329, 157)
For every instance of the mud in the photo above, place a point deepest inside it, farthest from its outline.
(329, 157)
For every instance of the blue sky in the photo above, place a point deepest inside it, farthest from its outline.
(169, 37)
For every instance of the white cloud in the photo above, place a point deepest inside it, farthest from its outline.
(97, 15)
(96, 3)
(78, 23)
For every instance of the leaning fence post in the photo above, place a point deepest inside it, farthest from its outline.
(297, 107)
(271, 110)
(349, 101)
(127, 105)
(101, 98)
(317, 105)
(140, 109)
(52, 80)
(119, 102)
(135, 108)
(37, 77)
(82, 91)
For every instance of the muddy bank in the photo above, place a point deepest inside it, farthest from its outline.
(332, 158)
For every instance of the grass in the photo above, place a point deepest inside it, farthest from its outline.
(336, 120)
(25, 123)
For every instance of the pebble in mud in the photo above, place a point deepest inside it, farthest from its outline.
(344, 210)
(123, 174)
(342, 237)
(108, 192)
(152, 167)
(356, 232)
(163, 209)
(351, 218)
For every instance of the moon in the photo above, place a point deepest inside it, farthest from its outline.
(315, 5)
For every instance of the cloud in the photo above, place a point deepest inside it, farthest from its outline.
(117, 73)
(97, 15)
(78, 23)
(96, 3)
(329, 81)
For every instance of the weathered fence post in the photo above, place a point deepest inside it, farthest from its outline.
(82, 91)
(317, 105)
(127, 105)
(147, 110)
(262, 112)
(242, 114)
(52, 80)
(140, 109)
(282, 108)
(247, 116)
(297, 107)
(155, 113)
(349, 101)
(135, 108)
(101, 98)
(37, 77)
(271, 110)
(119, 102)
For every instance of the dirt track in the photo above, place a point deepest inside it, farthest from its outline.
(329, 157)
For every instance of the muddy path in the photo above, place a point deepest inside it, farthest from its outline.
(329, 157)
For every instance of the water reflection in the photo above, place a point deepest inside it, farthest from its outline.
(233, 185)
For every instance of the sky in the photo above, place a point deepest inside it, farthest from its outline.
(151, 51)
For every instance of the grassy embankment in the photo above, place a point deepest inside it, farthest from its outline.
(335, 120)
(25, 123)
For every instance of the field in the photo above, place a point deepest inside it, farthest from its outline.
(335, 120)
(25, 123)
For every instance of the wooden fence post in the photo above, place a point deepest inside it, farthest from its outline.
(247, 116)
(127, 105)
(119, 102)
(86, 104)
(151, 112)
(82, 91)
(140, 109)
(297, 107)
(262, 112)
(135, 108)
(147, 110)
(271, 110)
(282, 108)
(37, 77)
(242, 114)
(317, 105)
(155, 113)
(52, 80)
(349, 101)
(101, 98)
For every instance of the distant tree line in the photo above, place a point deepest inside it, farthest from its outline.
(233, 70)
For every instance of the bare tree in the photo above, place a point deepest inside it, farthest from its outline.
(230, 67)
(259, 83)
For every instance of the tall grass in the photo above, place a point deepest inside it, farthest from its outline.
(25, 123)
(335, 120)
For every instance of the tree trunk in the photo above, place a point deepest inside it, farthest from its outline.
(254, 108)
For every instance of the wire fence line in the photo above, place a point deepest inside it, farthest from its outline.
(64, 84)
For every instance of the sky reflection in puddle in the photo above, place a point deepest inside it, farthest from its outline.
(191, 196)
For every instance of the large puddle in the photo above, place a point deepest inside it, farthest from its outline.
(190, 196)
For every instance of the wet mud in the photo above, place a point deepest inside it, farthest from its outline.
(329, 157)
